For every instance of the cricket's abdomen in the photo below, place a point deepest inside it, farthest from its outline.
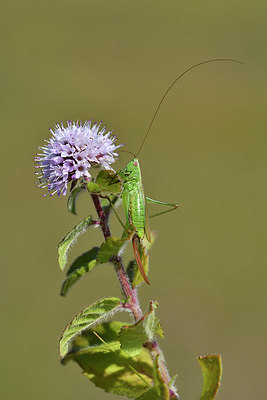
(137, 211)
(133, 198)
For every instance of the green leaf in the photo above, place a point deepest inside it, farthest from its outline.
(72, 199)
(93, 187)
(110, 248)
(90, 316)
(106, 181)
(105, 203)
(151, 322)
(84, 263)
(133, 270)
(70, 238)
(109, 370)
(88, 343)
(109, 181)
(132, 338)
(150, 394)
(211, 366)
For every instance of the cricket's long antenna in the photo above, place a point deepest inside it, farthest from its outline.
(127, 151)
(173, 83)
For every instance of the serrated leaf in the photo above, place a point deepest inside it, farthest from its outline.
(107, 182)
(84, 263)
(132, 338)
(72, 199)
(108, 370)
(70, 238)
(111, 247)
(133, 270)
(87, 318)
(211, 366)
(151, 322)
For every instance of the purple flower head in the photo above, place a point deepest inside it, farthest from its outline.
(71, 152)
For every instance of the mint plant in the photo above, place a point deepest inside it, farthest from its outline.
(119, 357)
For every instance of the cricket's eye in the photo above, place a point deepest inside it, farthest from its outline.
(135, 164)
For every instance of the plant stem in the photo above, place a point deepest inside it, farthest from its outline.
(102, 216)
(131, 294)
(126, 287)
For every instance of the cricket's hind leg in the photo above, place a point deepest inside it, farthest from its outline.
(173, 206)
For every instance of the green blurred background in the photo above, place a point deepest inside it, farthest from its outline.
(111, 61)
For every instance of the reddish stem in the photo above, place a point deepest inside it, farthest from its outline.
(130, 293)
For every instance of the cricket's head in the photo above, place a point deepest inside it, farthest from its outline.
(131, 169)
